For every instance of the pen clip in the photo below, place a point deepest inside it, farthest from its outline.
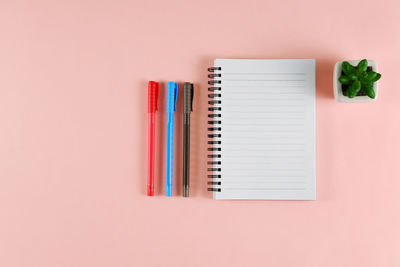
(175, 95)
(157, 89)
(191, 101)
(153, 89)
(188, 97)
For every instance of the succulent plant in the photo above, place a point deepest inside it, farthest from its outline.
(358, 79)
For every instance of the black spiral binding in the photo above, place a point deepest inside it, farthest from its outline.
(214, 129)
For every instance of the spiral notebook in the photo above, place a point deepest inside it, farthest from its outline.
(262, 129)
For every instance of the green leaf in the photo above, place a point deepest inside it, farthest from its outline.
(377, 77)
(364, 75)
(371, 76)
(344, 79)
(357, 86)
(353, 89)
(370, 92)
(347, 68)
(365, 84)
(353, 77)
(362, 66)
(351, 93)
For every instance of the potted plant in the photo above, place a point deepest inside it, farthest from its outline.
(356, 81)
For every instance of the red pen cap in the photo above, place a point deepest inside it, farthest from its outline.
(153, 96)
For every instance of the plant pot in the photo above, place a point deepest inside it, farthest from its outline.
(337, 86)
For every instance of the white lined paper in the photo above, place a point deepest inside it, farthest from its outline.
(268, 129)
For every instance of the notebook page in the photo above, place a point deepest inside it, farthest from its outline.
(268, 129)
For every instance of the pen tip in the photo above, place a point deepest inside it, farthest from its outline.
(169, 191)
(186, 191)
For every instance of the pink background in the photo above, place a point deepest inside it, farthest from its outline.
(73, 113)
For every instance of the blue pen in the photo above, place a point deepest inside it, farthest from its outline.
(172, 96)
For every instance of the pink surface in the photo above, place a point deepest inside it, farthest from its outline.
(73, 111)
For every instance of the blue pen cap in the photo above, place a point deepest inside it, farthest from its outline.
(172, 96)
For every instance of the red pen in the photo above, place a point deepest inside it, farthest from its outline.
(152, 108)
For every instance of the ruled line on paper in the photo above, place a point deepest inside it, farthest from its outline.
(264, 73)
(263, 188)
(262, 86)
(265, 80)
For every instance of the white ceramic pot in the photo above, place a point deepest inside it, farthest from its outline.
(337, 86)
